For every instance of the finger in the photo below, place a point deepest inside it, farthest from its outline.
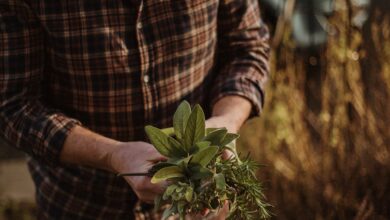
(205, 212)
(227, 154)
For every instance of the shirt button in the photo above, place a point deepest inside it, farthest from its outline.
(139, 25)
(146, 78)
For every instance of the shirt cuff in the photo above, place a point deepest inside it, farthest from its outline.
(244, 86)
(52, 138)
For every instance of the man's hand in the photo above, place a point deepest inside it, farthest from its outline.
(84, 147)
(138, 157)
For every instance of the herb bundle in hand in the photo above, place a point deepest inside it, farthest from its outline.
(198, 177)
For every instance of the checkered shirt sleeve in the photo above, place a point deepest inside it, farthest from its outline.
(25, 120)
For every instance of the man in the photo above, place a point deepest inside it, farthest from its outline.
(80, 80)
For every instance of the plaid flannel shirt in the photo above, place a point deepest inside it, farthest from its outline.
(114, 66)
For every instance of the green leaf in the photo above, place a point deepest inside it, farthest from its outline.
(209, 130)
(157, 202)
(180, 208)
(195, 129)
(229, 137)
(168, 131)
(177, 148)
(167, 173)
(158, 166)
(168, 192)
(180, 118)
(220, 181)
(189, 193)
(198, 172)
(159, 140)
(216, 136)
(168, 212)
(204, 156)
(201, 145)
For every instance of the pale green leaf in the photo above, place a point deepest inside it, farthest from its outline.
(168, 131)
(201, 145)
(189, 193)
(220, 181)
(180, 118)
(159, 140)
(168, 192)
(167, 173)
(204, 156)
(195, 129)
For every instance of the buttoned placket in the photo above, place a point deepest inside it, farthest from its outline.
(144, 64)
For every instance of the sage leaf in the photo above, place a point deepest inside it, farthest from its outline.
(167, 173)
(220, 181)
(209, 130)
(201, 145)
(168, 212)
(204, 156)
(177, 148)
(180, 118)
(168, 192)
(195, 129)
(198, 172)
(215, 137)
(168, 131)
(157, 202)
(189, 193)
(229, 137)
(159, 140)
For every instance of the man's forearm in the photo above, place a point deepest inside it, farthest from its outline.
(84, 147)
(232, 110)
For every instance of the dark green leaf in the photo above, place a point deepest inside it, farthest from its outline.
(158, 166)
(180, 208)
(198, 172)
(209, 130)
(167, 173)
(159, 140)
(168, 212)
(177, 147)
(195, 129)
(180, 118)
(157, 202)
(204, 156)
(229, 137)
(216, 136)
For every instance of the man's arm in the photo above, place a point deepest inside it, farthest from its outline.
(25, 121)
(243, 54)
(230, 112)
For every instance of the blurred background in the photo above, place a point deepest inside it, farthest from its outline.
(324, 134)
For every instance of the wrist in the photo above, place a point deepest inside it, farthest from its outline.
(115, 156)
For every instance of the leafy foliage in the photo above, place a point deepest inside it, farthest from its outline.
(198, 177)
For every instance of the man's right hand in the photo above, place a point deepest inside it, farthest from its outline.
(138, 157)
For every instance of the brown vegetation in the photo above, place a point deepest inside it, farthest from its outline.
(325, 138)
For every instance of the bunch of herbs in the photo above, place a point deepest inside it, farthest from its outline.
(198, 177)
